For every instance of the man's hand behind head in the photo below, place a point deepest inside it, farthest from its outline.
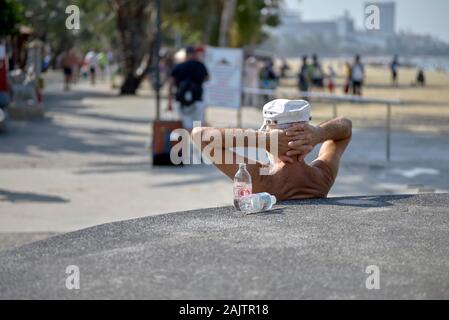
(303, 137)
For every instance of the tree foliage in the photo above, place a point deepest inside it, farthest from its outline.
(130, 26)
(11, 14)
(47, 19)
(137, 34)
(199, 20)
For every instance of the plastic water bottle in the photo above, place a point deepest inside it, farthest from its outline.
(243, 185)
(257, 202)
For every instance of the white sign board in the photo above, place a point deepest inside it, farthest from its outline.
(224, 88)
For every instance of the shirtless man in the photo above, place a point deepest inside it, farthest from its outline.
(290, 177)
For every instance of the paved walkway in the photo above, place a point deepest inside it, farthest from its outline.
(315, 249)
(88, 163)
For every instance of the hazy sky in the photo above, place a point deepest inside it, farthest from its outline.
(419, 16)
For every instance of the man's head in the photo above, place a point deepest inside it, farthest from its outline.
(190, 53)
(283, 113)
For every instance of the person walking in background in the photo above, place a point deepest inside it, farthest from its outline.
(331, 79)
(169, 63)
(303, 75)
(348, 80)
(251, 81)
(102, 64)
(421, 78)
(316, 73)
(68, 62)
(284, 68)
(66, 69)
(394, 65)
(357, 76)
(92, 63)
(268, 79)
(188, 78)
(76, 66)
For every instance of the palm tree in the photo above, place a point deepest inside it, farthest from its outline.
(137, 35)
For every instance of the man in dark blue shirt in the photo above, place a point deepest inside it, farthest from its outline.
(188, 78)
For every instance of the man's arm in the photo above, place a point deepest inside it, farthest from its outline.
(217, 142)
(335, 135)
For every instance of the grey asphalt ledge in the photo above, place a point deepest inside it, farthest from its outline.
(313, 249)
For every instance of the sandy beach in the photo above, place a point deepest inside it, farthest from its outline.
(421, 110)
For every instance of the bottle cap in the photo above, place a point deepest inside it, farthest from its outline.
(273, 199)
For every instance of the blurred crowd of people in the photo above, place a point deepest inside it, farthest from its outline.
(260, 74)
(311, 76)
(92, 65)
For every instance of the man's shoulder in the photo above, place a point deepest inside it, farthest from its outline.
(179, 69)
(199, 65)
(192, 64)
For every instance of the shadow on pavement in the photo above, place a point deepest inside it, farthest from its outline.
(198, 180)
(15, 197)
(192, 174)
(48, 135)
(359, 201)
(71, 104)
(98, 116)
(78, 94)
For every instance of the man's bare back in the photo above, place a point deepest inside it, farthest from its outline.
(296, 181)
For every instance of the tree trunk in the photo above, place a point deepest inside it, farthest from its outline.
(227, 17)
(133, 22)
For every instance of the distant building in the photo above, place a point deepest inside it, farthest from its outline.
(387, 17)
(338, 34)
(293, 26)
(345, 26)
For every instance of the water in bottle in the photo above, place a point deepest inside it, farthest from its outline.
(257, 202)
(243, 185)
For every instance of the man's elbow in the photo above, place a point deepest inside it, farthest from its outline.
(347, 123)
(349, 126)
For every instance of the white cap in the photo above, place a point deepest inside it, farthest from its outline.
(283, 111)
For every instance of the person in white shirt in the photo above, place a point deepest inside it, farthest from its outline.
(92, 62)
(251, 81)
(357, 76)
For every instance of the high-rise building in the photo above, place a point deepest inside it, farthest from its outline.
(387, 17)
(293, 26)
(345, 25)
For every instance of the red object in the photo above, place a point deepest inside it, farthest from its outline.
(39, 96)
(244, 192)
(3, 75)
(161, 141)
